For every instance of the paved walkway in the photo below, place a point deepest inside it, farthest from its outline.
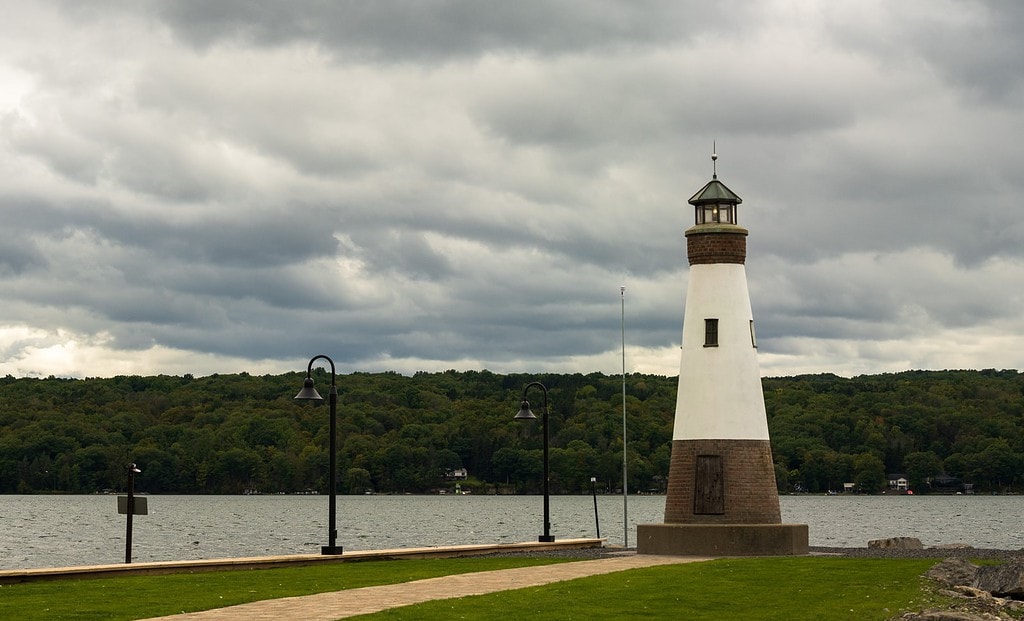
(351, 602)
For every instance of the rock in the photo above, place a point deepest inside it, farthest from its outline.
(952, 546)
(953, 572)
(975, 591)
(1006, 580)
(969, 591)
(947, 615)
(956, 614)
(896, 543)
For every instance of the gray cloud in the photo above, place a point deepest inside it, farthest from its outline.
(437, 30)
(433, 185)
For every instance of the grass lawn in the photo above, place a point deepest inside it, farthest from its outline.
(137, 597)
(787, 589)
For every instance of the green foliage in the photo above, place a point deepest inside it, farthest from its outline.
(922, 424)
(230, 433)
(921, 466)
(225, 434)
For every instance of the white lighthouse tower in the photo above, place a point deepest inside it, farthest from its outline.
(722, 497)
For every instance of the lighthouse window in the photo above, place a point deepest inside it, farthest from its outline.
(718, 213)
(753, 337)
(710, 333)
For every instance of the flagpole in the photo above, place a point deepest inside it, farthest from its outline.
(625, 478)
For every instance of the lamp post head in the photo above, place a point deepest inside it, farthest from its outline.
(308, 393)
(132, 468)
(525, 413)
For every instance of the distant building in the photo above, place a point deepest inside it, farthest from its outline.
(899, 482)
(458, 474)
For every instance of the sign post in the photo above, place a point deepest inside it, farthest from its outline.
(130, 506)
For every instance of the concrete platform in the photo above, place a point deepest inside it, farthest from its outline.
(12, 576)
(722, 539)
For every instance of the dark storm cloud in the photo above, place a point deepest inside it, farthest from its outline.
(436, 30)
(433, 185)
(18, 255)
(971, 45)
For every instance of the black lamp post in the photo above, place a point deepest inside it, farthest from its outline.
(526, 414)
(308, 393)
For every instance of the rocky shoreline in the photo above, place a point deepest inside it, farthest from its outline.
(939, 552)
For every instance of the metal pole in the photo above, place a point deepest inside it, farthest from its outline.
(625, 474)
(547, 511)
(593, 490)
(332, 503)
(131, 513)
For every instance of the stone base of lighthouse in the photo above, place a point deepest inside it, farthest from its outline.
(722, 501)
(722, 539)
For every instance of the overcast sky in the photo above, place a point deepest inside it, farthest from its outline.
(215, 187)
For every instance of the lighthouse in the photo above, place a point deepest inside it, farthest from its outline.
(722, 497)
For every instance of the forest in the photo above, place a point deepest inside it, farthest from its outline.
(237, 433)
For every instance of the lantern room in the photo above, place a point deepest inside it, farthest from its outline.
(715, 204)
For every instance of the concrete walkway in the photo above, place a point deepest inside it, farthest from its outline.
(351, 602)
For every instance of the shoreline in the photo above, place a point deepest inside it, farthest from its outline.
(930, 552)
(865, 552)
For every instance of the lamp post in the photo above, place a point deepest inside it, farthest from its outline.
(526, 414)
(309, 393)
(593, 490)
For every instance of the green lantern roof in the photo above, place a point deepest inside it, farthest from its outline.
(715, 192)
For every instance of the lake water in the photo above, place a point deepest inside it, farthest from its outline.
(52, 531)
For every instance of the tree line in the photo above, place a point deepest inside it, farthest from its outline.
(225, 434)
